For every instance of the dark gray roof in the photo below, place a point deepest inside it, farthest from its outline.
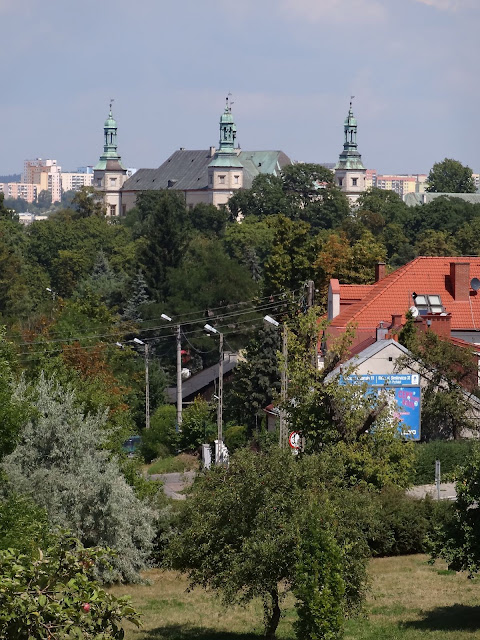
(202, 379)
(187, 170)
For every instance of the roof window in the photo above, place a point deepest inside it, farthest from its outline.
(428, 303)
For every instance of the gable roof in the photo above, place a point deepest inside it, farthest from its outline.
(393, 295)
(187, 170)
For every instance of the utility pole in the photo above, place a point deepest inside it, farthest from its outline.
(147, 390)
(283, 437)
(179, 378)
(310, 294)
(220, 402)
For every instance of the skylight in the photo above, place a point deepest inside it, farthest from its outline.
(428, 303)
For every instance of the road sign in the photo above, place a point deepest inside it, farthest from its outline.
(294, 440)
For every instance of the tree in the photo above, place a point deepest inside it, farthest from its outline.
(266, 197)
(209, 219)
(60, 463)
(44, 200)
(164, 224)
(448, 371)
(257, 379)
(242, 526)
(139, 297)
(456, 540)
(55, 594)
(88, 202)
(435, 243)
(450, 176)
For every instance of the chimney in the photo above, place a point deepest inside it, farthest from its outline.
(333, 308)
(212, 152)
(396, 320)
(379, 271)
(439, 323)
(382, 331)
(460, 280)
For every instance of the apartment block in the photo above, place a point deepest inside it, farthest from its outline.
(73, 181)
(402, 184)
(46, 174)
(24, 190)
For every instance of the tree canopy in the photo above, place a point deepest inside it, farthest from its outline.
(450, 176)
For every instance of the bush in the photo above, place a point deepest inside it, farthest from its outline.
(198, 425)
(57, 596)
(162, 438)
(451, 453)
(235, 437)
(60, 464)
(400, 525)
(23, 525)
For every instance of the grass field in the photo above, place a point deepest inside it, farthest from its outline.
(409, 599)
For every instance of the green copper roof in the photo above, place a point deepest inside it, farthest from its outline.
(110, 144)
(226, 156)
(350, 158)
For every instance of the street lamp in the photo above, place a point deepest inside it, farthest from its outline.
(219, 457)
(283, 435)
(147, 382)
(179, 371)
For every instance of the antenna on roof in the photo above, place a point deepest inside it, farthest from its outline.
(475, 284)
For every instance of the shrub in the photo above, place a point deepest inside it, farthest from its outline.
(162, 438)
(60, 464)
(235, 437)
(57, 596)
(23, 525)
(451, 453)
(198, 425)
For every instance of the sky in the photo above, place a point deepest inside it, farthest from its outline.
(291, 66)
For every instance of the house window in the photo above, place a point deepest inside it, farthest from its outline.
(354, 182)
(210, 179)
(113, 209)
(340, 182)
(113, 181)
(237, 179)
(124, 209)
(221, 179)
(427, 303)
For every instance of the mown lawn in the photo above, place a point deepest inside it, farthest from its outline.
(409, 599)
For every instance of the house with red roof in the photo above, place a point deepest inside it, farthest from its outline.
(442, 292)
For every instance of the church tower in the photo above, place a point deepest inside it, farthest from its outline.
(109, 174)
(349, 171)
(225, 171)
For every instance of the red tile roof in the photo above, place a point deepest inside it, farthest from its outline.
(393, 295)
(354, 291)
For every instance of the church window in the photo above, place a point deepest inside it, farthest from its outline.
(354, 182)
(340, 182)
(221, 179)
(113, 181)
(237, 178)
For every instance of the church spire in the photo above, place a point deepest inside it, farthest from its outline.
(110, 151)
(226, 155)
(350, 158)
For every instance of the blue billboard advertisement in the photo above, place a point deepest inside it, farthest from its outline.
(406, 392)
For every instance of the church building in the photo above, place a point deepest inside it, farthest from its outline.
(209, 175)
(109, 174)
(350, 174)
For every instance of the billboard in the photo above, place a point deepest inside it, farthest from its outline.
(406, 396)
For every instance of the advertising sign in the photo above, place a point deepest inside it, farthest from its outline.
(406, 393)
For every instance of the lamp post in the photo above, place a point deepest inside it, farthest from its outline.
(179, 371)
(283, 430)
(219, 459)
(147, 383)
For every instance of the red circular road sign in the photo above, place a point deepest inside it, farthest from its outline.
(294, 440)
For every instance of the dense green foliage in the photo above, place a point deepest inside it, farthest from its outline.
(451, 453)
(450, 176)
(456, 539)
(53, 593)
(240, 528)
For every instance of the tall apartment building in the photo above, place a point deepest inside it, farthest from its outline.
(46, 174)
(73, 181)
(26, 191)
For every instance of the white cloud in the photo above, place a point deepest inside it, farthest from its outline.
(449, 5)
(339, 11)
